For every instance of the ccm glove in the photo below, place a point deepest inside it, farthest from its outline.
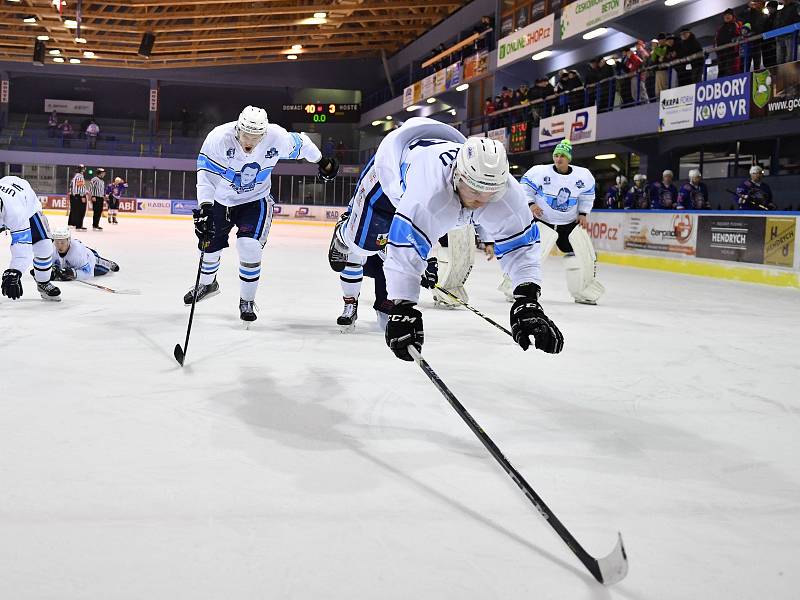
(67, 274)
(431, 275)
(12, 283)
(528, 318)
(328, 168)
(203, 222)
(404, 329)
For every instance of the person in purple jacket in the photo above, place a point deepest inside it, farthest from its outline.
(637, 198)
(615, 196)
(663, 194)
(693, 195)
(114, 191)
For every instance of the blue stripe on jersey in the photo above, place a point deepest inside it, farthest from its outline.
(403, 233)
(589, 192)
(368, 215)
(21, 237)
(37, 220)
(263, 204)
(403, 173)
(526, 237)
(206, 164)
(86, 268)
(263, 174)
(298, 143)
(531, 184)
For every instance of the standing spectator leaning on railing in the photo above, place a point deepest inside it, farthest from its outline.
(77, 199)
(662, 53)
(690, 49)
(790, 15)
(753, 20)
(91, 134)
(728, 61)
(97, 190)
(769, 48)
(52, 124)
(66, 133)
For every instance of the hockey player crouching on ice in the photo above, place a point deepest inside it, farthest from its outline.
(72, 260)
(561, 198)
(21, 214)
(233, 188)
(424, 180)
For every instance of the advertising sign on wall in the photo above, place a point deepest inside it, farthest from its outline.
(183, 207)
(583, 15)
(453, 76)
(606, 230)
(779, 241)
(527, 41)
(154, 207)
(500, 134)
(676, 108)
(428, 86)
(70, 107)
(440, 81)
(722, 100)
(776, 91)
(4, 91)
(580, 126)
(739, 239)
(476, 66)
(662, 232)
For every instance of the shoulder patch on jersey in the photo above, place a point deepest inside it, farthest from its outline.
(271, 153)
(579, 184)
(230, 152)
(547, 179)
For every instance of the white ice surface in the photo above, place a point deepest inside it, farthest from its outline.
(291, 461)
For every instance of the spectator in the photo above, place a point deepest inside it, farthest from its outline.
(632, 64)
(754, 17)
(77, 199)
(340, 152)
(186, 122)
(52, 124)
(745, 46)
(577, 97)
(91, 134)
(593, 76)
(663, 194)
(728, 58)
(329, 147)
(97, 190)
(790, 15)
(693, 195)
(565, 88)
(489, 108)
(615, 196)
(769, 48)
(114, 192)
(506, 98)
(521, 95)
(83, 126)
(753, 193)
(690, 50)
(484, 27)
(636, 198)
(659, 57)
(542, 90)
(66, 133)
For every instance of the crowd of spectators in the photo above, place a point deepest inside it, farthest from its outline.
(88, 130)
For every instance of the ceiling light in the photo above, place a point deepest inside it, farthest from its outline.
(54, 52)
(590, 35)
(89, 54)
(29, 20)
(430, 100)
(13, 0)
(376, 123)
(672, 2)
(75, 61)
(320, 15)
(297, 47)
(463, 87)
(389, 117)
(314, 21)
(58, 59)
(605, 156)
(80, 40)
(412, 108)
(58, 3)
(43, 38)
(542, 54)
(291, 56)
(70, 23)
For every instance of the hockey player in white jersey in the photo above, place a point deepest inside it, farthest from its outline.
(21, 214)
(72, 260)
(561, 197)
(233, 189)
(426, 179)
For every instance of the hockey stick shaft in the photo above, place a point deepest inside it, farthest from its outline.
(180, 353)
(473, 309)
(106, 289)
(617, 567)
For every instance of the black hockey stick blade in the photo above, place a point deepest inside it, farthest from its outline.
(179, 354)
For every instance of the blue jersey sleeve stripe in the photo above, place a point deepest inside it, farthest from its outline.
(298, 143)
(212, 161)
(22, 236)
(531, 184)
(528, 236)
(403, 233)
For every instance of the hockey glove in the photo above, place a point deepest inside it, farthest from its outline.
(203, 222)
(528, 318)
(67, 274)
(328, 168)
(431, 275)
(404, 329)
(12, 283)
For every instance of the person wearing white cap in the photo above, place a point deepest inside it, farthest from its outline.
(693, 194)
(753, 193)
(663, 194)
(425, 179)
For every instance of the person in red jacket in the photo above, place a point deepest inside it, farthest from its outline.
(728, 58)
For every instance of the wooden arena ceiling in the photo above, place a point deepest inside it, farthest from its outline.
(200, 33)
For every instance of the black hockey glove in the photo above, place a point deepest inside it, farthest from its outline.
(67, 274)
(528, 318)
(328, 168)
(431, 275)
(12, 283)
(203, 222)
(404, 329)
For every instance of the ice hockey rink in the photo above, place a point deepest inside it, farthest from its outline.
(291, 461)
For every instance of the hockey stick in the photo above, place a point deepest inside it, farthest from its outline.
(475, 310)
(180, 353)
(108, 289)
(740, 196)
(607, 570)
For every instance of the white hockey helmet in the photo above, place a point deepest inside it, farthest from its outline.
(756, 170)
(639, 177)
(621, 180)
(695, 173)
(667, 172)
(482, 165)
(253, 121)
(61, 233)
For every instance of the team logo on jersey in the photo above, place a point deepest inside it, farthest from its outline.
(271, 153)
(579, 184)
(382, 240)
(246, 179)
(230, 152)
(547, 180)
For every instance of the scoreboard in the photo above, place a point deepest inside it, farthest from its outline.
(520, 137)
(322, 112)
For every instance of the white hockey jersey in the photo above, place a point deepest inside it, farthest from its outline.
(561, 197)
(78, 257)
(18, 203)
(227, 174)
(415, 168)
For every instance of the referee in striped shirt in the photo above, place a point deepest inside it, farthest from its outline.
(77, 199)
(97, 190)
